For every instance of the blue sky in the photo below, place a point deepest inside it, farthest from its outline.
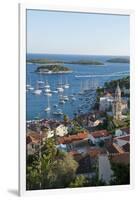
(77, 33)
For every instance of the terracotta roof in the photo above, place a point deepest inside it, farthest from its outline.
(127, 130)
(123, 158)
(100, 133)
(94, 152)
(70, 138)
(108, 94)
(111, 149)
(34, 137)
(31, 139)
(126, 138)
(126, 147)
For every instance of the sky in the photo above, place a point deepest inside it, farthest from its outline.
(77, 33)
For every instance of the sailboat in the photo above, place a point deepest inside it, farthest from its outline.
(47, 109)
(47, 85)
(48, 90)
(66, 86)
(30, 87)
(40, 80)
(60, 87)
(37, 91)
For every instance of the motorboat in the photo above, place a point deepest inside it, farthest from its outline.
(47, 90)
(37, 91)
(58, 112)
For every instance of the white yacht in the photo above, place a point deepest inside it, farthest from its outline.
(58, 112)
(40, 80)
(47, 85)
(37, 91)
(31, 88)
(28, 86)
(55, 91)
(60, 86)
(47, 90)
(48, 94)
(65, 98)
(60, 89)
(66, 86)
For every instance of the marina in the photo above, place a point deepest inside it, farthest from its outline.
(55, 95)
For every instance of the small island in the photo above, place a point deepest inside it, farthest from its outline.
(43, 61)
(119, 60)
(80, 62)
(86, 62)
(53, 69)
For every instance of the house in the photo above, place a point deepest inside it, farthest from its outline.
(126, 91)
(122, 140)
(122, 131)
(94, 123)
(111, 149)
(50, 133)
(61, 130)
(71, 138)
(34, 140)
(32, 143)
(106, 103)
(98, 136)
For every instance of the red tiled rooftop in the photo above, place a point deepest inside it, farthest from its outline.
(126, 147)
(127, 130)
(34, 137)
(94, 152)
(100, 133)
(123, 158)
(71, 138)
(126, 138)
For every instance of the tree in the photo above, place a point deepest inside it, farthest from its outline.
(53, 169)
(79, 181)
(33, 178)
(65, 118)
(121, 174)
(62, 172)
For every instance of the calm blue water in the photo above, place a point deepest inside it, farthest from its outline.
(82, 75)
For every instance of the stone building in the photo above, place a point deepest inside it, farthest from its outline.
(118, 105)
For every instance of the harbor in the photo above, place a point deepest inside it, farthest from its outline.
(52, 96)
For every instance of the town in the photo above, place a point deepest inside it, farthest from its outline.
(92, 149)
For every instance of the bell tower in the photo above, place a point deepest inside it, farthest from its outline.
(117, 111)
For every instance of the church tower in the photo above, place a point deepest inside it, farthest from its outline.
(117, 110)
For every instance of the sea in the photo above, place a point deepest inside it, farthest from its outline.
(83, 82)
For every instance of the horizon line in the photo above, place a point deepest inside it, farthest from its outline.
(77, 54)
